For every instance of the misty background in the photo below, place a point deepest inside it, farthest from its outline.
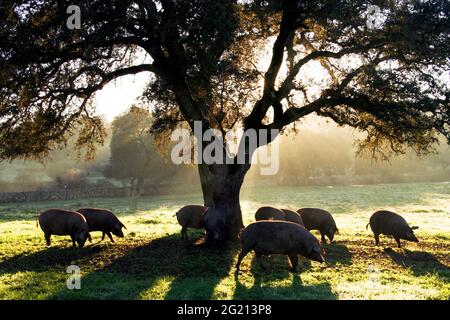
(319, 154)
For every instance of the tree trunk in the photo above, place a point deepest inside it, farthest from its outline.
(207, 183)
(221, 186)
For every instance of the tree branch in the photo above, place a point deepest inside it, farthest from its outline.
(287, 27)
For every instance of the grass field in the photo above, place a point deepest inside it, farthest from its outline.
(152, 262)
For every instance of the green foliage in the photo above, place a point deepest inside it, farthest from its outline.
(208, 63)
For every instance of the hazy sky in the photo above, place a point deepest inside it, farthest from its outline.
(117, 96)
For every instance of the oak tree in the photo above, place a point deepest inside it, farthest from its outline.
(386, 75)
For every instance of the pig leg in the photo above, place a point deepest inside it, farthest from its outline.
(184, 235)
(242, 254)
(47, 238)
(73, 240)
(294, 261)
(103, 236)
(322, 237)
(377, 239)
(259, 260)
(109, 236)
(398, 242)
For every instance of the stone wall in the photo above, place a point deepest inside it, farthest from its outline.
(49, 195)
(92, 192)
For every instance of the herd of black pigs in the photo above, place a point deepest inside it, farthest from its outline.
(276, 231)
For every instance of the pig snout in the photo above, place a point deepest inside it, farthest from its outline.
(118, 231)
(413, 238)
(331, 236)
(317, 254)
(318, 257)
(321, 259)
(410, 236)
(82, 237)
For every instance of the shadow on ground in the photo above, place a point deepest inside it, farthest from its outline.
(275, 280)
(165, 268)
(337, 253)
(189, 271)
(47, 258)
(420, 262)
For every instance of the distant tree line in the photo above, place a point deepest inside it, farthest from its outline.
(135, 158)
(329, 157)
(131, 157)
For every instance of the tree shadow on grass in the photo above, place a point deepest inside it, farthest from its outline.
(166, 268)
(420, 262)
(189, 271)
(128, 270)
(41, 274)
(203, 269)
(278, 282)
(48, 258)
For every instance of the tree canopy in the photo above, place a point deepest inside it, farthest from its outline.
(384, 72)
(205, 63)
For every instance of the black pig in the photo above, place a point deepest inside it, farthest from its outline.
(318, 219)
(63, 222)
(390, 223)
(293, 216)
(269, 213)
(103, 220)
(191, 216)
(279, 237)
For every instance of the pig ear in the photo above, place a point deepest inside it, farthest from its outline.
(119, 225)
(123, 226)
(414, 227)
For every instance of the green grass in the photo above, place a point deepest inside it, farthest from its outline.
(152, 262)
